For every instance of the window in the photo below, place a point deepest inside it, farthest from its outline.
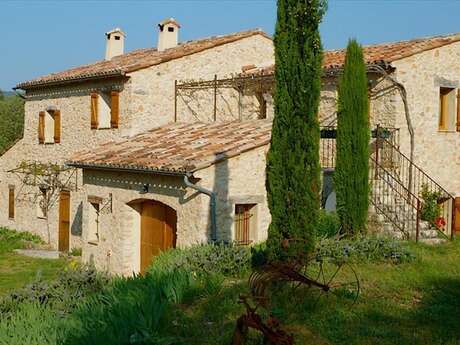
(447, 109)
(42, 207)
(11, 202)
(49, 126)
(245, 223)
(104, 110)
(93, 219)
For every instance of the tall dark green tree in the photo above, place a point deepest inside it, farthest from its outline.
(293, 170)
(351, 176)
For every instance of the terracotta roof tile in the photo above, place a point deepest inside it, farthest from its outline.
(178, 147)
(137, 59)
(385, 52)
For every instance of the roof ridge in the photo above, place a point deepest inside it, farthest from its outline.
(119, 65)
(405, 41)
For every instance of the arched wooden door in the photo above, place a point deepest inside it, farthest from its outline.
(158, 231)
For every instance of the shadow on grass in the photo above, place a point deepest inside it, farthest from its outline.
(433, 319)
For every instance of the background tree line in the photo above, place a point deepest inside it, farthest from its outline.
(11, 120)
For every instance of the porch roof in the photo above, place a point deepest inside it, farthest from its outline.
(177, 148)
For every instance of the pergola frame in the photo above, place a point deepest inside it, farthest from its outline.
(258, 84)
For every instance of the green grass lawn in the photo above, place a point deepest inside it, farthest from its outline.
(18, 270)
(410, 303)
(416, 302)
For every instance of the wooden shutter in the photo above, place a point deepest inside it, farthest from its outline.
(94, 110)
(442, 108)
(458, 110)
(11, 202)
(114, 108)
(41, 127)
(57, 126)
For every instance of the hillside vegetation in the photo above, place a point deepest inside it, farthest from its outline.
(11, 120)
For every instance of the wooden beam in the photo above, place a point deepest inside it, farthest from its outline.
(215, 97)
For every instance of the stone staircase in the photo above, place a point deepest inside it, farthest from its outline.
(396, 204)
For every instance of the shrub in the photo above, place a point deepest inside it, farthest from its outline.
(363, 248)
(31, 324)
(76, 251)
(328, 224)
(130, 311)
(11, 239)
(431, 210)
(220, 258)
(63, 294)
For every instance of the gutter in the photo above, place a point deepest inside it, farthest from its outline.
(212, 195)
(121, 168)
(18, 94)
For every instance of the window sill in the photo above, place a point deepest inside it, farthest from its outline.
(103, 128)
(12, 219)
(40, 217)
(447, 131)
(94, 243)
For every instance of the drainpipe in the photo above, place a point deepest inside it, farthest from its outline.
(212, 195)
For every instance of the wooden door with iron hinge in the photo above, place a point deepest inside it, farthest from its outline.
(158, 231)
(64, 221)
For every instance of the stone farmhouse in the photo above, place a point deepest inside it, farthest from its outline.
(166, 146)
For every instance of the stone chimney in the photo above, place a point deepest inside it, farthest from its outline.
(115, 43)
(168, 34)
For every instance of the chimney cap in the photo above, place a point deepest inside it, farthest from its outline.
(116, 30)
(169, 21)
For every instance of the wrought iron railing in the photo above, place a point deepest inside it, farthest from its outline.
(396, 183)
(393, 201)
(390, 161)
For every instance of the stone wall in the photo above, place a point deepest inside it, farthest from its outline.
(146, 101)
(238, 180)
(422, 75)
(118, 249)
(152, 102)
(76, 134)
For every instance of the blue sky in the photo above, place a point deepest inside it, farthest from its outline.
(39, 37)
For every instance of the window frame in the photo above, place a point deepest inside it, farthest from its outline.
(94, 209)
(245, 216)
(447, 114)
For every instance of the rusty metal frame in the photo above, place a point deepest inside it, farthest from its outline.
(258, 83)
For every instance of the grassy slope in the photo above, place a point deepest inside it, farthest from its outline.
(411, 303)
(17, 270)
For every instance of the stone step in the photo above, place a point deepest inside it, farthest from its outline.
(429, 233)
(432, 241)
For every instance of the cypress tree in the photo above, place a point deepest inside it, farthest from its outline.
(293, 170)
(351, 176)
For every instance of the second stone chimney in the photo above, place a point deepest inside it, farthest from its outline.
(115, 43)
(168, 34)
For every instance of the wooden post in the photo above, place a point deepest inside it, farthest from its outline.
(377, 144)
(175, 100)
(240, 105)
(417, 227)
(215, 97)
(452, 219)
